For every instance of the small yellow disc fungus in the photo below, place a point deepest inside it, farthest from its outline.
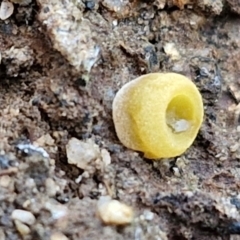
(159, 114)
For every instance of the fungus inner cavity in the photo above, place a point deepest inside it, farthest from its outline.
(179, 114)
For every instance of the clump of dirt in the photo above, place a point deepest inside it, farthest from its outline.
(62, 63)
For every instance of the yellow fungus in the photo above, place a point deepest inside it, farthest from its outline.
(159, 114)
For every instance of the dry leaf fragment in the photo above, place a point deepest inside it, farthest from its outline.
(6, 9)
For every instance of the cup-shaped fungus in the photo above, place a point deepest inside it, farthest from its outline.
(158, 114)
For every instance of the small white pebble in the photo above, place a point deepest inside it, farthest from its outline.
(30, 183)
(171, 51)
(14, 112)
(234, 147)
(6, 9)
(81, 153)
(5, 181)
(114, 212)
(176, 171)
(223, 158)
(58, 211)
(138, 235)
(23, 216)
(79, 179)
(51, 187)
(141, 218)
(106, 158)
(115, 23)
(58, 236)
(218, 155)
(22, 228)
(181, 125)
(148, 215)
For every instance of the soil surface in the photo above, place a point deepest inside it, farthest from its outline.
(62, 62)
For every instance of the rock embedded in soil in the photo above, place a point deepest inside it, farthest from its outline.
(6, 9)
(171, 51)
(51, 187)
(58, 236)
(87, 156)
(70, 33)
(22, 228)
(81, 153)
(5, 181)
(148, 215)
(114, 212)
(23, 216)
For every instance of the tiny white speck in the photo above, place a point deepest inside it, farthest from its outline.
(115, 23)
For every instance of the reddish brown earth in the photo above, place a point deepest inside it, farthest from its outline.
(62, 63)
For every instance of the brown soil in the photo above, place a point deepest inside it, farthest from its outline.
(62, 63)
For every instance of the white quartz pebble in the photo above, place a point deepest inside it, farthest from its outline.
(23, 216)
